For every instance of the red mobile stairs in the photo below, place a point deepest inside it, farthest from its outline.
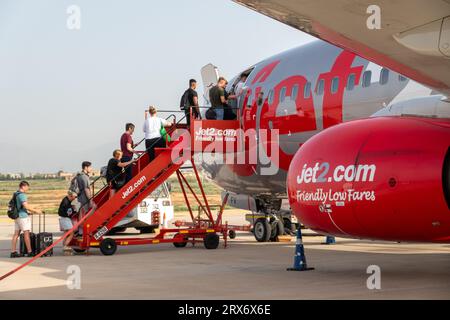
(147, 176)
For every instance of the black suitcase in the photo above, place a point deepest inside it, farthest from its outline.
(44, 240)
(22, 246)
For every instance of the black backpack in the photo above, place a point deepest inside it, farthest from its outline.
(184, 103)
(13, 210)
(211, 114)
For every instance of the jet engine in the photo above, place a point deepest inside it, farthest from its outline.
(385, 178)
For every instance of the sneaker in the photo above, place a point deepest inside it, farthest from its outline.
(15, 255)
(68, 251)
(30, 255)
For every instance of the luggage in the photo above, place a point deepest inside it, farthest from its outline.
(22, 246)
(39, 242)
(44, 240)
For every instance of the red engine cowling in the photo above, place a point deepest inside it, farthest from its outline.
(380, 178)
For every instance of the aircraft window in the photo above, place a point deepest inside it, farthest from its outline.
(307, 91)
(335, 85)
(283, 94)
(351, 82)
(367, 79)
(402, 78)
(294, 93)
(270, 99)
(384, 76)
(320, 87)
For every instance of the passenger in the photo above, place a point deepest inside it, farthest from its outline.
(189, 101)
(239, 89)
(217, 98)
(66, 211)
(152, 129)
(228, 113)
(23, 222)
(84, 194)
(115, 173)
(127, 147)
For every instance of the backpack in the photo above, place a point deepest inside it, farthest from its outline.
(184, 103)
(74, 186)
(13, 210)
(211, 114)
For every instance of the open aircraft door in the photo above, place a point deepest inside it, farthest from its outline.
(210, 76)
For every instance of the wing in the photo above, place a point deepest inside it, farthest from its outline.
(411, 37)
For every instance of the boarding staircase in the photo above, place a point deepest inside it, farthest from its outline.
(147, 176)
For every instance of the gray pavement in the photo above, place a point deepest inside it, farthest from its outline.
(245, 270)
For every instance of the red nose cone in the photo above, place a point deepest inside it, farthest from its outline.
(380, 178)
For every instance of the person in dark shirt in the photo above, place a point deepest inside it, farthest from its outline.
(190, 101)
(114, 172)
(127, 147)
(66, 211)
(217, 98)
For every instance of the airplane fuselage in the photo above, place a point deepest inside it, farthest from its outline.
(300, 93)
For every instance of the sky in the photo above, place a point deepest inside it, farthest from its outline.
(65, 95)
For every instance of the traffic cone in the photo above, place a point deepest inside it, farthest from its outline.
(300, 258)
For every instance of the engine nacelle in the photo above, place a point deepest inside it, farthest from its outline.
(382, 178)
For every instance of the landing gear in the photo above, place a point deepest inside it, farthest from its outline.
(262, 230)
(277, 230)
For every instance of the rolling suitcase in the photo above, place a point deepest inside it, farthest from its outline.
(22, 246)
(44, 240)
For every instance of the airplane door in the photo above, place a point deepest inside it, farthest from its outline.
(210, 76)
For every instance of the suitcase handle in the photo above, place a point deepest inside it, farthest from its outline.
(43, 213)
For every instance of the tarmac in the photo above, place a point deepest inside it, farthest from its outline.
(245, 270)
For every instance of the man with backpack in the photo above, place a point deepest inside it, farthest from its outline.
(189, 101)
(19, 210)
(81, 185)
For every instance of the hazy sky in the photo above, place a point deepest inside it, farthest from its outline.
(65, 95)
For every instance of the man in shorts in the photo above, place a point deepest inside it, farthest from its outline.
(66, 211)
(23, 222)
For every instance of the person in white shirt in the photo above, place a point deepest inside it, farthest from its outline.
(240, 86)
(152, 130)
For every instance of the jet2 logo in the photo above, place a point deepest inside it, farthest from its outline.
(352, 173)
(322, 173)
(213, 134)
